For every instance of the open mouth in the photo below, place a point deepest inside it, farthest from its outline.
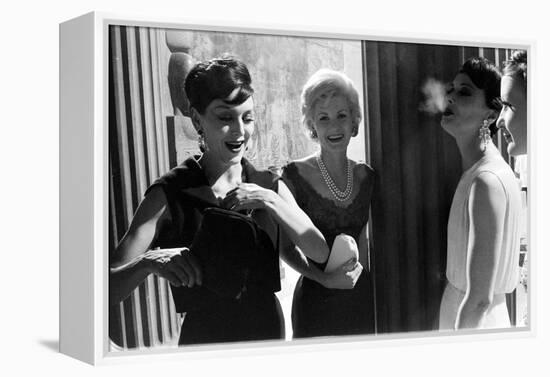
(448, 112)
(507, 135)
(234, 146)
(335, 138)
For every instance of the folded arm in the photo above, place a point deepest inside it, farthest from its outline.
(344, 277)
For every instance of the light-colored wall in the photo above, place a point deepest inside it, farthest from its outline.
(279, 67)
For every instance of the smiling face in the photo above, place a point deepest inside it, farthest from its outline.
(465, 108)
(332, 122)
(226, 129)
(513, 116)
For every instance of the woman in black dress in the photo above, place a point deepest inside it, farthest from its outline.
(335, 192)
(167, 220)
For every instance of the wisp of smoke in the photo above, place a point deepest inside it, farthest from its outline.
(434, 93)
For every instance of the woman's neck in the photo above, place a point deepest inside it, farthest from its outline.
(335, 161)
(472, 149)
(336, 164)
(218, 174)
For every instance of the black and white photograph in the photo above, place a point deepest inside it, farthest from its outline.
(284, 188)
(288, 188)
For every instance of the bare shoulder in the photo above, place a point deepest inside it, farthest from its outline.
(362, 170)
(153, 208)
(487, 183)
(306, 166)
(487, 195)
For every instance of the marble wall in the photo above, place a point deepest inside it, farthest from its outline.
(279, 66)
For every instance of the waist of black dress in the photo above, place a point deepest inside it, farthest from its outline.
(309, 286)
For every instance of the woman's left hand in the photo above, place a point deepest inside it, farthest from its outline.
(248, 196)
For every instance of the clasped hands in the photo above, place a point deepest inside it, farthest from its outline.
(177, 265)
(344, 277)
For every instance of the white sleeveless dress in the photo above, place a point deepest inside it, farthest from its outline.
(459, 245)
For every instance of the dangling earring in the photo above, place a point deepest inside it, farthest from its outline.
(485, 134)
(313, 133)
(355, 131)
(202, 144)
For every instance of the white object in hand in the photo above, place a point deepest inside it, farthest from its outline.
(344, 248)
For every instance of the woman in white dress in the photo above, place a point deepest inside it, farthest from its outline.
(483, 228)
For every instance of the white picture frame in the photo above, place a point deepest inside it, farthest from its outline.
(84, 194)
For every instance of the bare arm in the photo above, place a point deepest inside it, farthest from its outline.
(487, 211)
(343, 278)
(285, 211)
(133, 261)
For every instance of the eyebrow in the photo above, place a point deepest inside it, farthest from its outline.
(223, 107)
(466, 85)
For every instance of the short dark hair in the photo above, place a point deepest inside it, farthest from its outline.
(216, 79)
(517, 65)
(486, 76)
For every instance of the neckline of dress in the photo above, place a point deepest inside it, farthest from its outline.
(481, 160)
(212, 198)
(331, 201)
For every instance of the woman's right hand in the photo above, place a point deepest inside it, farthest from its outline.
(179, 266)
(344, 277)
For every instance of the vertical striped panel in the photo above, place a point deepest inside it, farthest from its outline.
(121, 121)
(138, 154)
(152, 171)
(128, 322)
(158, 166)
(159, 79)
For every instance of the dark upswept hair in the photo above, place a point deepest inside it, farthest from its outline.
(486, 76)
(216, 79)
(516, 66)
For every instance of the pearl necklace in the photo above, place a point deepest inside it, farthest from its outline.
(339, 195)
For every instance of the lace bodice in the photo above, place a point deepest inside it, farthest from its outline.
(330, 218)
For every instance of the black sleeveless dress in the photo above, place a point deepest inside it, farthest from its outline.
(316, 310)
(257, 314)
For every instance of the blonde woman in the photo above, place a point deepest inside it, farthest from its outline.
(335, 192)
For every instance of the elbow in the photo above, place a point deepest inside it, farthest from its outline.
(313, 245)
(483, 304)
(320, 253)
(317, 258)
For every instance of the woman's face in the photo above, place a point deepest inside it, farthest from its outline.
(226, 129)
(513, 116)
(333, 122)
(466, 109)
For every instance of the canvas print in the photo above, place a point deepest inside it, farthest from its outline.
(276, 188)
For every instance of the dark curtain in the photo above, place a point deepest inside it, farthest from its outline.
(418, 168)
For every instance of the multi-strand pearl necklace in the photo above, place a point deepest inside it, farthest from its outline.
(341, 196)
